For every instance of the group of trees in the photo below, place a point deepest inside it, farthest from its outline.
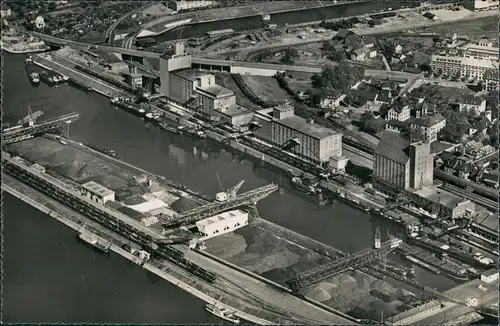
(291, 54)
(331, 53)
(342, 24)
(339, 77)
(368, 123)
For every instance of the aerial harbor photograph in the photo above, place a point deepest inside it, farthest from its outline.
(266, 162)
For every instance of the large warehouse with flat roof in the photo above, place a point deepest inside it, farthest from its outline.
(313, 142)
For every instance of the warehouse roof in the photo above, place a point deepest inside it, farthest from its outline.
(303, 126)
(97, 189)
(393, 147)
(216, 91)
(440, 197)
(429, 120)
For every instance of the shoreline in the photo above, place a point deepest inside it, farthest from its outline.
(165, 20)
(149, 267)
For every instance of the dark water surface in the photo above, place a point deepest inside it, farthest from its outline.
(50, 277)
(291, 17)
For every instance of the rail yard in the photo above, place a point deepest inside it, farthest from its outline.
(218, 247)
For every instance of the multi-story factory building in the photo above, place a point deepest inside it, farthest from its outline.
(471, 61)
(188, 5)
(309, 141)
(168, 63)
(401, 165)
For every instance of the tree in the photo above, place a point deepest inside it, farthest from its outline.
(369, 124)
(337, 55)
(291, 54)
(341, 77)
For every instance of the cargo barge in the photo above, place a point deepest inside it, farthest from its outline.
(443, 265)
(109, 152)
(30, 69)
(128, 106)
(95, 242)
(46, 78)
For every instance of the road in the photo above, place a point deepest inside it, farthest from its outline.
(271, 295)
(365, 32)
(110, 32)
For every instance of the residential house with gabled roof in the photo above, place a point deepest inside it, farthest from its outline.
(398, 111)
(459, 166)
(482, 125)
(342, 35)
(420, 108)
(354, 45)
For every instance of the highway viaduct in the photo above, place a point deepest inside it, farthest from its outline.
(235, 67)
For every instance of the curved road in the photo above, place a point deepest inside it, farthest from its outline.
(110, 33)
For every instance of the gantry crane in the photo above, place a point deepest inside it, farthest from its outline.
(298, 283)
(249, 198)
(60, 123)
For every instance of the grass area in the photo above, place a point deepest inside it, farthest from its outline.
(475, 29)
(267, 87)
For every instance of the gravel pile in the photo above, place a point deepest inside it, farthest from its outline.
(319, 294)
(226, 246)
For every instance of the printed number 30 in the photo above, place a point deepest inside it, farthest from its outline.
(471, 302)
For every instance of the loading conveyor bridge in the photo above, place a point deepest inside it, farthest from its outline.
(298, 283)
(248, 198)
(11, 135)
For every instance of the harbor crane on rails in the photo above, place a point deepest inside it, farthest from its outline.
(301, 281)
(229, 193)
(30, 119)
(249, 198)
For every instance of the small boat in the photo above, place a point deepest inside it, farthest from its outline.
(222, 313)
(171, 129)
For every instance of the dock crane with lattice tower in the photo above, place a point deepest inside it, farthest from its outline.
(248, 199)
(30, 119)
(227, 194)
(315, 275)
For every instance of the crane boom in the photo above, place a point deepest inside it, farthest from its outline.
(234, 190)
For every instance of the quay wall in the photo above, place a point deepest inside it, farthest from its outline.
(285, 166)
(186, 287)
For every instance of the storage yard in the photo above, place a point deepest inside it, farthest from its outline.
(279, 254)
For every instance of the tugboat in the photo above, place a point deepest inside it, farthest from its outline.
(222, 313)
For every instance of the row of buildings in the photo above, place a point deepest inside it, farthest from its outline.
(279, 125)
(473, 61)
(402, 161)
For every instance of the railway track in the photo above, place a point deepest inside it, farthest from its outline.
(485, 202)
(357, 151)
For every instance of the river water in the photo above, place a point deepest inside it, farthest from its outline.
(50, 277)
(291, 17)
